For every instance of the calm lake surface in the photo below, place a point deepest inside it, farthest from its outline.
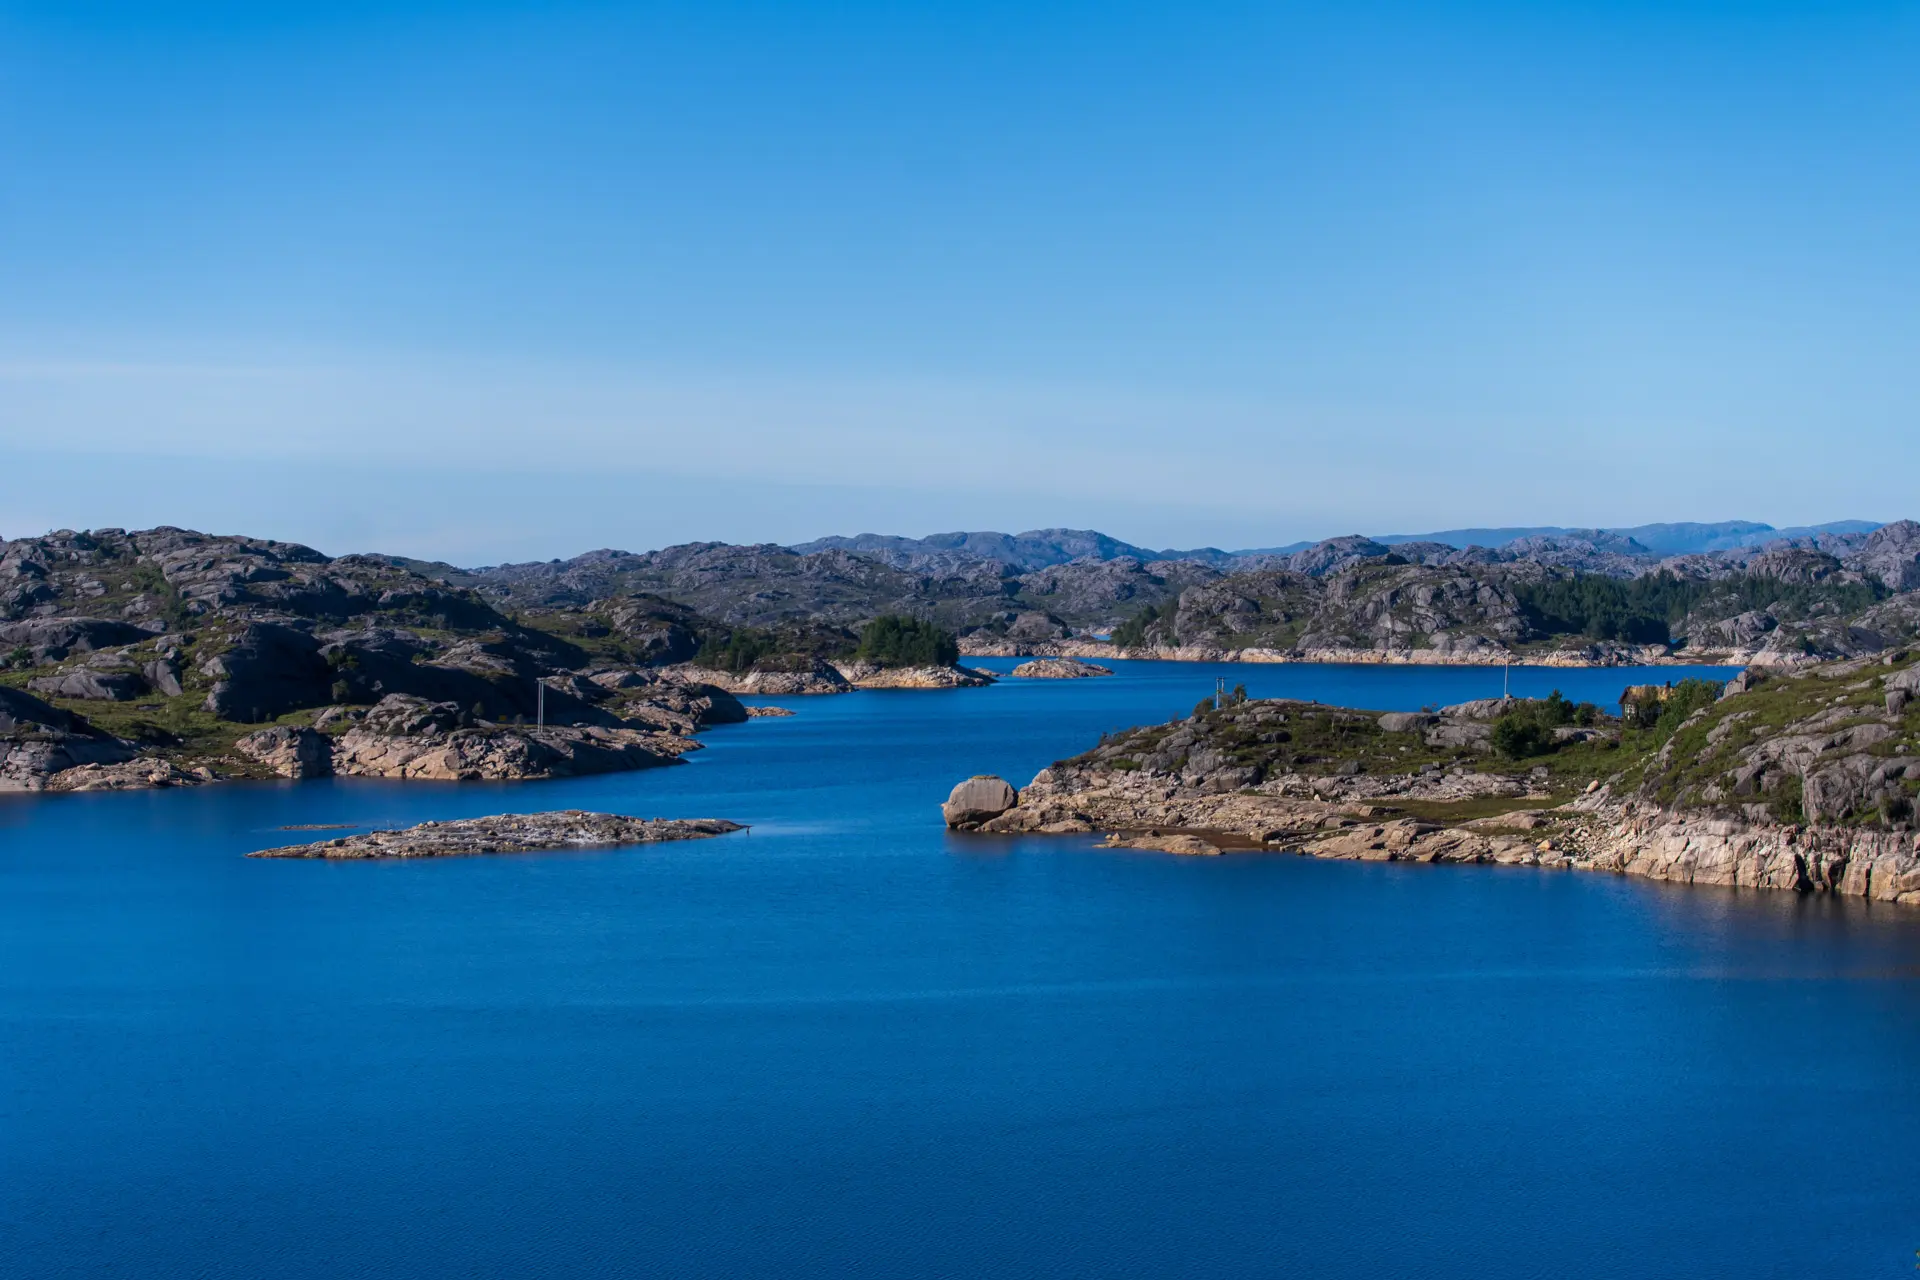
(847, 1044)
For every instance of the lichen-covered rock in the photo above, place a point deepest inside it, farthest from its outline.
(508, 833)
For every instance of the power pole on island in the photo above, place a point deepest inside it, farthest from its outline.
(540, 703)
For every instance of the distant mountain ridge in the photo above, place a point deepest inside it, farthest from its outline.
(1044, 548)
(1675, 539)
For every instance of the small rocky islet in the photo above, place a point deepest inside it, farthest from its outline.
(1804, 779)
(508, 833)
(1059, 669)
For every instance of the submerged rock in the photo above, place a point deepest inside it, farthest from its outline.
(509, 833)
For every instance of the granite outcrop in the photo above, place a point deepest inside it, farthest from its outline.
(508, 833)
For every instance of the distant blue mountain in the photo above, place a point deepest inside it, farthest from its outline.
(1684, 538)
(1043, 548)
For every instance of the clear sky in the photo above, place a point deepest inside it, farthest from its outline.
(485, 281)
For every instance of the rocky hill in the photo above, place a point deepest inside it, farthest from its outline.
(175, 641)
(1803, 780)
(1350, 596)
(124, 652)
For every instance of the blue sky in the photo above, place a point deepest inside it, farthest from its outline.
(489, 281)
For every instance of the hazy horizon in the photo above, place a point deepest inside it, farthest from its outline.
(570, 552)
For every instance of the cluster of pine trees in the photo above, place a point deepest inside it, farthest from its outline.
(1645, 610)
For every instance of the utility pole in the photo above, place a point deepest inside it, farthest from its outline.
(540, 703)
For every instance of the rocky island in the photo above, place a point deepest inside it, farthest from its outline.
(508, 833)
(1804, 779)
(1059, 669)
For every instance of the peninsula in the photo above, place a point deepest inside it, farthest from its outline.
(1802, 779)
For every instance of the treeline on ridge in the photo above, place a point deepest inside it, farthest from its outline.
(1645, 610)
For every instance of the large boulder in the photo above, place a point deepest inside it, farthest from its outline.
(977, 800)
(164, 675)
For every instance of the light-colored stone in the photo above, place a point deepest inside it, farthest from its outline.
(290, 751)
(507, 833)
(977, 800)
(1059, 669)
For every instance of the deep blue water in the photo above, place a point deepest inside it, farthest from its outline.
(847, 1044)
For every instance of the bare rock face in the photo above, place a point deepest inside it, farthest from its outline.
(1059, 669)
(977, 800)
(407, 737)
(269, 671)
(662, 701)
(867, 675)
(819, 677)
(508, 833)
(139, 774)
(51, 639)
(1891, 554)
(290, 752)
(38, 742)
(91, 683)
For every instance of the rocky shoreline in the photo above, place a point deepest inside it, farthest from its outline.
(508, 833)
(1593, 834)
(1804, 782)
(822, 676)
(1603, 654)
